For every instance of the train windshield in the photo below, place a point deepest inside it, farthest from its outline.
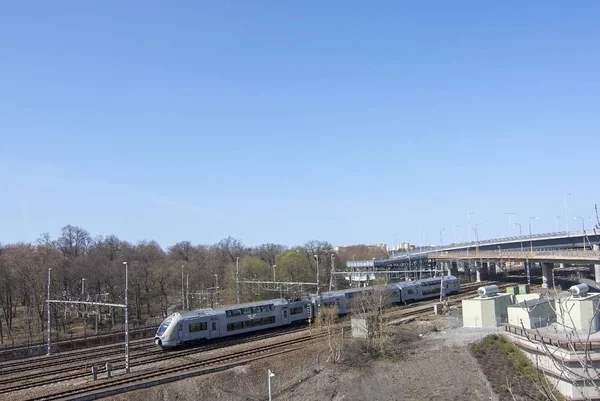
(163, 327)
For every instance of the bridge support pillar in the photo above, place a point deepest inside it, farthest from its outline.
(477, 272)
(597, 273)
(546, 273)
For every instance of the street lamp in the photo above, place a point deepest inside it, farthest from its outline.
(332, 271)
(182, 292)
(237, 280)
(520, 234)
(274, 266)
(49, 345)
(566, 214)
(583, 228)
(454, 233)
(317, 258)
(441, 236)
(469, 224)
(530, 234)
(270, 374)
(510, 214)
(217, 289)
(126, 320)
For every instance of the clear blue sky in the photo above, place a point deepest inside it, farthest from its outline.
(280, 121)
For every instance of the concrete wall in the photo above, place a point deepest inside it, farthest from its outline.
(532, 314)
(563, 368)
(485, 312)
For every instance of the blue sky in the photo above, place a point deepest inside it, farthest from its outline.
(289, 121)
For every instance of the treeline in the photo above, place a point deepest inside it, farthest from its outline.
(155, 274)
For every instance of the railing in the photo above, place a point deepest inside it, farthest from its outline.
(558, 254)
(551, 339)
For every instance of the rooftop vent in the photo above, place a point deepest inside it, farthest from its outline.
(579, 290)
(488, 291)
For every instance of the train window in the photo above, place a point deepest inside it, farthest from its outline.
(228, 313)
(296, 311)
(197, 327)
(246, 311)
(214, 326)
(255, 309)
(236, 312)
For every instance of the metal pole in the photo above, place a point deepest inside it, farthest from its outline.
(332, 271)
(187, 291)
(237, 280)
(217, 289)
(48, 323)
(182, 292)
(270, 375)
(442, 236)
(583, 228)
(566, 214)
(530, 235)
(509, 223)
(274, 266)
(469, 224)
(317, 257)
(126, 319)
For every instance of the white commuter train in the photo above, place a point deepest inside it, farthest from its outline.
(398, 293)
(206, 324)
(201, 325)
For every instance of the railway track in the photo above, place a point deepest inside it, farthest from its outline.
(60, 369)
(60, 372)
(163, 375)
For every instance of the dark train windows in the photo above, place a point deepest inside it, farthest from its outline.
(296, 311)
(214, 326)
(250, 323)
(198, 327)
(249, 310)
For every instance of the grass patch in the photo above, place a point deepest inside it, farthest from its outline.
(507, 368)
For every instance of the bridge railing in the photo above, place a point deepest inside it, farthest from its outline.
(574, 254)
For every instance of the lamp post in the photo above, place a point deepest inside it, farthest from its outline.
(182, 292)
(454, 233)
(566, 213)
(187, 291)
(48, 323)
(442, 236)
(520, 234)
(582, 228)
(216, 289)
(530, 234)
(237, 280)
(274, 266)
(270, 374)
(126, 319)
(469, 224)
(510, 214)
(317, 258)
(332, 271)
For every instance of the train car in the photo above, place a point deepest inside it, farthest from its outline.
(399, 292)
(206, 324)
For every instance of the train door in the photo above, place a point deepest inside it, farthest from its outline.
(214, 328)
(284, 313)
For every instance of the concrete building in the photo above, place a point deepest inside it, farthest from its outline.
(489, 309)
(580, 310)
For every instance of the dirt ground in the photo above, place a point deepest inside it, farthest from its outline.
(434, 363)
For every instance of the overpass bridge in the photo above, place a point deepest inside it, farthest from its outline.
(578, 248)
